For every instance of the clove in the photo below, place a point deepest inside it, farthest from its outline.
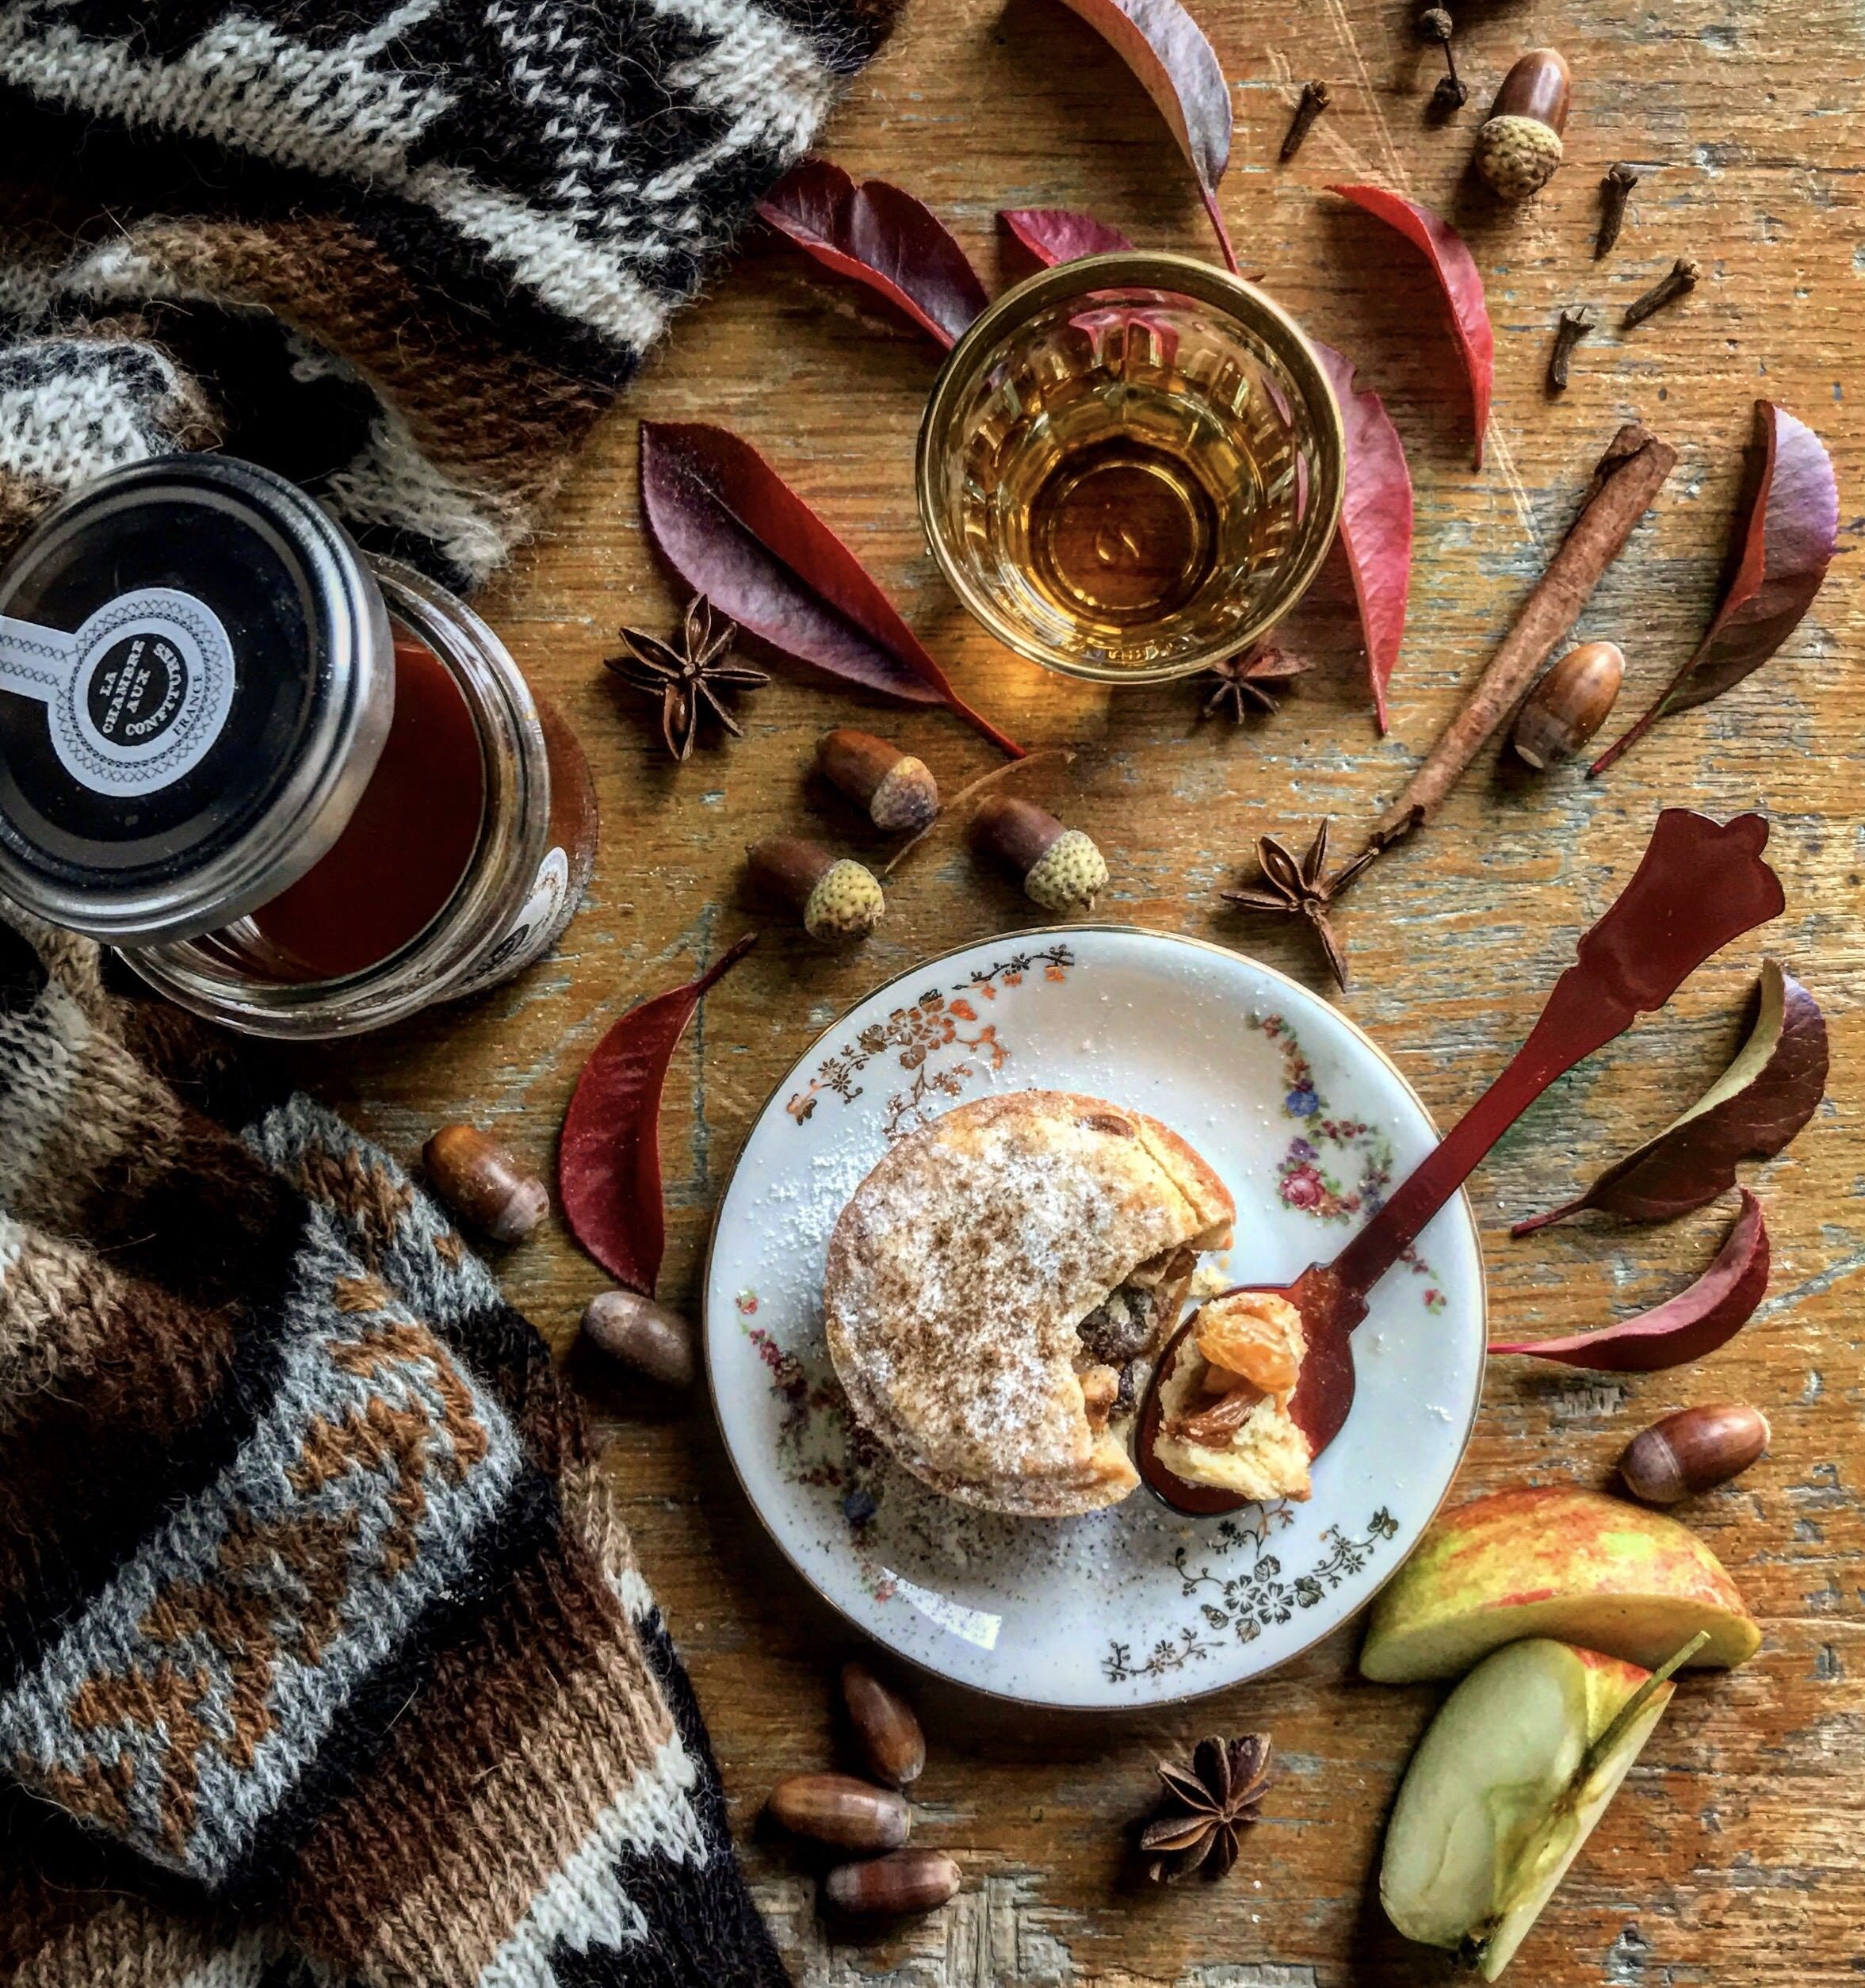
(1680, 282)
(1452, 94)
(1615, 190)
(1314, 101)
(1576, 321)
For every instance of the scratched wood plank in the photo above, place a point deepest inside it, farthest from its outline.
(1734, 1854)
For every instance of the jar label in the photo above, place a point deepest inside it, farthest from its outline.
(137, 697)
(545, 913)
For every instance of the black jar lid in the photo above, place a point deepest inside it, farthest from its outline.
(197, 676)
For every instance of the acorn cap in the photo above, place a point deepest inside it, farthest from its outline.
(846, 905)
(1516, 156)
(898, 790)
(907, 798)
(1069, 875)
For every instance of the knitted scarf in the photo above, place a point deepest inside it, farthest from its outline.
(403, 251)
(323, 1655)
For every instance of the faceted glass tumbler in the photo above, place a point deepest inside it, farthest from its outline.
(1131, 466)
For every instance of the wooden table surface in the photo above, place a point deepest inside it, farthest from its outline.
(1733, 1855)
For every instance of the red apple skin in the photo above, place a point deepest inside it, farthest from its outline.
(1571, 1564)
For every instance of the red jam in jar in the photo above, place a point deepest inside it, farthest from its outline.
(303, 793)
(390, 874)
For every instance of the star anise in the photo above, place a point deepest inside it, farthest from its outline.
(1301, 890)
(687, 679)
(1206, 1807)
(1251, 681)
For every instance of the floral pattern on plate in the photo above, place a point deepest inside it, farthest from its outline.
(1134, 1605)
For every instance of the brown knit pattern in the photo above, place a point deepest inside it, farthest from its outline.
(311, 1588)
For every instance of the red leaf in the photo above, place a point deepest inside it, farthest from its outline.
(881, 236)
(1767, 1093)
(1786, 524)
(734, 530)
(1375, 519)
(1688, 1327)
(1168, 51)
(1055, 234)
(608, 1158)
(1455, 269)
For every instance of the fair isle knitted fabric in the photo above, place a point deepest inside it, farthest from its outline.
(323, 1656)
(403, 251)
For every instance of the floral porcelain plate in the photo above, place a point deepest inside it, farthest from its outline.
(1308, 1123)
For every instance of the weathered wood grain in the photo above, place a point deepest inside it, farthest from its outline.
(1733, 1856)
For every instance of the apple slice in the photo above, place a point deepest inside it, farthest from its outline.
(1574, 1565)
(1505, 1787)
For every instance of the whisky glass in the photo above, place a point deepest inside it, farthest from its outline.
(1131, 466)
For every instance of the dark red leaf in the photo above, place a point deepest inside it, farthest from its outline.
(1786, 526)
(608, 1159)
(881, 236)
(1688, 1327)
(1375, 519)
(1168, 51)
(1767, 1093)
(734, 530)
(1055, 234)
(1455, 269)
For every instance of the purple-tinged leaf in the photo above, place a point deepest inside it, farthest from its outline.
(1455, 269)
(734, 530)
(1055, 234)
(883, 237)
(1175, 63)
(1786, 527)
(1693, 1324)
(1375, 520)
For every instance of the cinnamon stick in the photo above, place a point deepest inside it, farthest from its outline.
(1625, 479)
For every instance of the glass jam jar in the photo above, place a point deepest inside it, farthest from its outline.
(303, 793)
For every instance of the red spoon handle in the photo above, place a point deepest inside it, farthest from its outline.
(1701, 883)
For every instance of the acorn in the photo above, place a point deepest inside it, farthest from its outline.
(890, 1887)
(1061, 869)
(838, 1809)
(840, 900)
(482, 1182)
(899, 792)
(892, 1743)
(1519, 147)
(1568, 704)
(1693, 1450)
(642, 1334)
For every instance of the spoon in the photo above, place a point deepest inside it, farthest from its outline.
(1700, 884)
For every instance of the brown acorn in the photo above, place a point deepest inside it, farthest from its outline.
(899, 792)
(838, 1809)
(481, 1181)
(889, 1886)
(641, 1334)
(1519, 147)
(1568, 704)
(1693, 1450)
(841, 901)
(891, 1740)
(1060, 868)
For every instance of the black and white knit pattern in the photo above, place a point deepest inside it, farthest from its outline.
(549, 179)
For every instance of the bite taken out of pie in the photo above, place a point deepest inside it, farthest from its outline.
(992, 1283)
(1223, 1401)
